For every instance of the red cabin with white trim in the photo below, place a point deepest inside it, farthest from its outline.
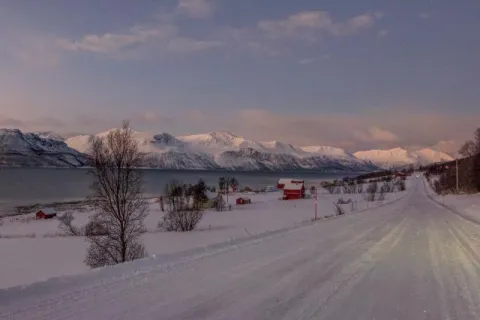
(294, 191)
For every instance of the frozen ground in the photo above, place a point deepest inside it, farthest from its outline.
(411, 259)
(35, 251)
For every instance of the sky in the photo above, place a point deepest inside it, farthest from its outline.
(353, 74)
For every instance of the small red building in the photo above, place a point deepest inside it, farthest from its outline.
(243, 200)
(46, 213)
(294, 191)
(282, 182)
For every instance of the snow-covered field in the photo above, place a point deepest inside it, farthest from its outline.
(410, 259)
(467, 205)
(36, 250)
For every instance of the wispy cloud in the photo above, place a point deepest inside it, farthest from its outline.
(375, 134)
(116, 42)
(307, 61)
(199, 9)
(168, 35)
(424, 15)
(383, 33)
(156, 39)
(310, 24)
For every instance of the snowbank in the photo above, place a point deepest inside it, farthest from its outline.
(466, 205)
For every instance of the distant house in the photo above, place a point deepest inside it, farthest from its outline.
(46, 213)
(400, 175)
(243, 200)
(293, 191)
(282, 182)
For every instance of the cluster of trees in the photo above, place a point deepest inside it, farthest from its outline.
(185, 205)
(353, 186)
(382, 175)
(226, 185)
(443, 177)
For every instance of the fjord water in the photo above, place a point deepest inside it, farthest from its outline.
(23, 186)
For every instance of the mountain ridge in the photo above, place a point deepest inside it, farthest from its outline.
(214, 150)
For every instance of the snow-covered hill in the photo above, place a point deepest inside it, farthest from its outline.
(400, 157)
(32, 150)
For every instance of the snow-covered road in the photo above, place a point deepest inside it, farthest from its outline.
(411, 259)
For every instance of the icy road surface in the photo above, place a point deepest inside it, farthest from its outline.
(409, 260)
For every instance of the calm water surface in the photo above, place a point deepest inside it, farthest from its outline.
(21, 186)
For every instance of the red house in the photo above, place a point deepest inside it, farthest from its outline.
(282, 182)
(293, 191)
(46, 213)
(243, 200)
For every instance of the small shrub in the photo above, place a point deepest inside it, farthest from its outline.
(387, 187)
(381, 196)
(338, 210)
(400, 185)
(66, 225)
(329, 186)
(181, 220)
(359, 188)
(343, 201)
(246, 189)
(437, 187)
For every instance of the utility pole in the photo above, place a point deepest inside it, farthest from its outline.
(316, 203)
(456, 167)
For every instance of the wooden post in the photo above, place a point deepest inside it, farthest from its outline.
(456, 165)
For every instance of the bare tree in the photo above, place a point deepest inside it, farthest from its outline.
(118, 198)
(231, 182)
(467, 149)
(372, 189)
(221, 184)
(471, 147)
(3, 149)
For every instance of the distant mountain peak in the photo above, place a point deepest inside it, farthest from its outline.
(397, 157)
(33, 150)
(49, 135)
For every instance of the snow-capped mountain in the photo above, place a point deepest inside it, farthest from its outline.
(30, 149)
(214, 150)
(400, 157)
(161, 151)
(217, 142)
(224, 150)
(282, 148)
(49, 135)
